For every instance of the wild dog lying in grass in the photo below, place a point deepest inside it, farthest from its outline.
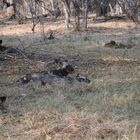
(113, 44)
(51, 36)
(48, 76)
(2, 101)
(44, 78)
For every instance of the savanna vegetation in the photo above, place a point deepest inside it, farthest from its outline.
(69, 69)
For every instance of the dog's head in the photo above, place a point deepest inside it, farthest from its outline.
(69, 69)
(25, 79)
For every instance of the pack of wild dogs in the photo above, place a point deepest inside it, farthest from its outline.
(60, 74)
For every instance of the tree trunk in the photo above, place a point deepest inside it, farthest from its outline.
(77, 23)
(10, 9)
(66, 6)
(76, 6)
(52, 4)
(85, 13)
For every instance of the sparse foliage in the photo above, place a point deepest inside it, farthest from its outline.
(74, 10)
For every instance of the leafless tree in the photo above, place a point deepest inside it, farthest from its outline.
(131, 8)
(67, 12)
(73, 9)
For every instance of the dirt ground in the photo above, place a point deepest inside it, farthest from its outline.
(106, 108)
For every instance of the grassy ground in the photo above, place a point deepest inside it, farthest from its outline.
(107, 108)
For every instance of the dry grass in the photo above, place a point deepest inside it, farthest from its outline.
(107, 108)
